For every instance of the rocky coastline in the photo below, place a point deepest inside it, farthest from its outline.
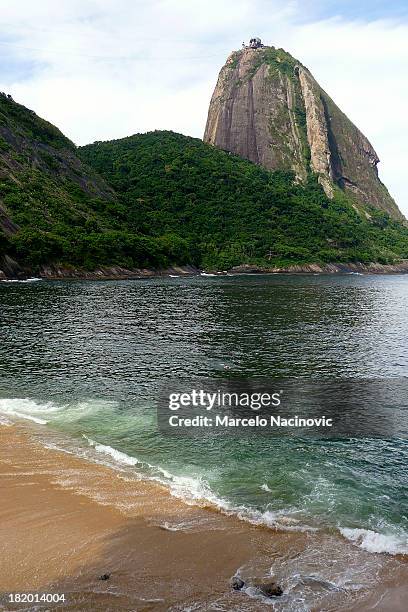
(11, 271)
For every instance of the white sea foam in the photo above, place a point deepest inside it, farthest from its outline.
(168, 527)
(196, 491)
(28, 417)
(181, 526)
(4, 422)
(25, 409)
(27, 406)
(117, 455)
(371, 541)
(265, 487)
(75, 411)
(48, 412)
(26, 280)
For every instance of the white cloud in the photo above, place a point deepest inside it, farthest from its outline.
(102, 69)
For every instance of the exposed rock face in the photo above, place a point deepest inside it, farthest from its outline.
(317, 131)
(268, 108)
(6, 224)
(253, 113)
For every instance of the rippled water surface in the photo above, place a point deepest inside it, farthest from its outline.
(88, 359)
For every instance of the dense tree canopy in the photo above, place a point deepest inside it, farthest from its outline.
(230, 211)
(156, 199)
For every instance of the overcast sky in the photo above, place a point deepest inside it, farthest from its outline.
(103, 69)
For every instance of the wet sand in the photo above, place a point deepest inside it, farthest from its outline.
(65, 521)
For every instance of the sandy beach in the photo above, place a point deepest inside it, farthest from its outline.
(64, 522)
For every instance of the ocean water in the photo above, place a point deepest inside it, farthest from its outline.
(88, 360)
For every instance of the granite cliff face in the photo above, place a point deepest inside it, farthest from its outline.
(268, 108)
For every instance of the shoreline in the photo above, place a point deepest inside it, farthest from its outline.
(66, 520)
(54, 272)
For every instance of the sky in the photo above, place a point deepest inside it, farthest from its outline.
(104, 69)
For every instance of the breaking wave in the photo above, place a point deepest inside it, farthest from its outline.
(25, 409)
(117, 455)
(374, 542)
(193, 490)
(196, 491)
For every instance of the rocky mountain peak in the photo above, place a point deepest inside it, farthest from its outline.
(267, 107)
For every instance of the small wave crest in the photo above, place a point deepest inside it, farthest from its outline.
(180, 526)
(17, 280)
(5, 422)
(44, 413)
(26, 409)
(117, 455)
(374, 542)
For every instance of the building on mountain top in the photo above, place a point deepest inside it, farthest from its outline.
(255, 43)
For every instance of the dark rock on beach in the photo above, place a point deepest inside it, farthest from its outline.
(270, 588)
(237, 583)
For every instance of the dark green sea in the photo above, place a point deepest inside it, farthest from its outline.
(86, 360)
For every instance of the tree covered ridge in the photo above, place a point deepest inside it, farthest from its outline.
(24, 122)
(230, 211)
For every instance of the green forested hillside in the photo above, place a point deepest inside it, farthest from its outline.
(156, 199)
(54, 208)
(230, 211)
